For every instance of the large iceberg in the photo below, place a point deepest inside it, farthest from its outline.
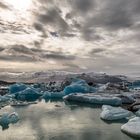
(17, 88)
(114, 113)
(94, 99)
(7, 118)
(78, 86)
(29, 94)
(132, 127)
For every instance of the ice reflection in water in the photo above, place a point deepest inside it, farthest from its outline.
(58, 121)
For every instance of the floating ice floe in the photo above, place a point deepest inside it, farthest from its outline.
(29, 94)
(51, 95)
(7, 118)
(94, 99)
(79, 86)
(126, 98)
(17, 88)
(21, 103)
(114, 113)
(132, 127)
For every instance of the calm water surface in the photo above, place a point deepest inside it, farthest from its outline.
(60, 121)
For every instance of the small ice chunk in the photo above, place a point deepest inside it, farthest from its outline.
(132, 127)
(114, 113)
(7, 118)
(17, 88)
(94, 99)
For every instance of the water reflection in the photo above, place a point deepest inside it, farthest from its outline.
(57, 120)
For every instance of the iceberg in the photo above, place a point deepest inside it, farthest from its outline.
(110, 113)
(132, 127)
(29, 94)
(126, 98)
(79, 86)
(138, 113)
(7, 118)
(5, 98)
(94, 99)
(17, 88)
(51, 95)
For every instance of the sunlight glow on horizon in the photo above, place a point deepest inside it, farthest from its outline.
(21, 5)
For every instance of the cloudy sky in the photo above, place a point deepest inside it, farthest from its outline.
(70, 35)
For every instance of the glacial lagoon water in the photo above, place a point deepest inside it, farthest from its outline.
(57, 120)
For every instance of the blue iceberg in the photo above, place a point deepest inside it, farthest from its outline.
(29, 94)
(7, 118)
(79, 86)
(17, 88)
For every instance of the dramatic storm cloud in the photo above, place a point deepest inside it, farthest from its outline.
(73, 35)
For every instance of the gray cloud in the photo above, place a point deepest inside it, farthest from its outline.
(82, 5)
(24, 54)
(109, 14)
(15, 58)
(71, 65)
(39, 27)
(90, 34)
(17, 53)
(108, 29)
(114, 15)
(97, 50)
(58, 56)
(53, 18)
(20, 49)
(4, 6)
(1, 49)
